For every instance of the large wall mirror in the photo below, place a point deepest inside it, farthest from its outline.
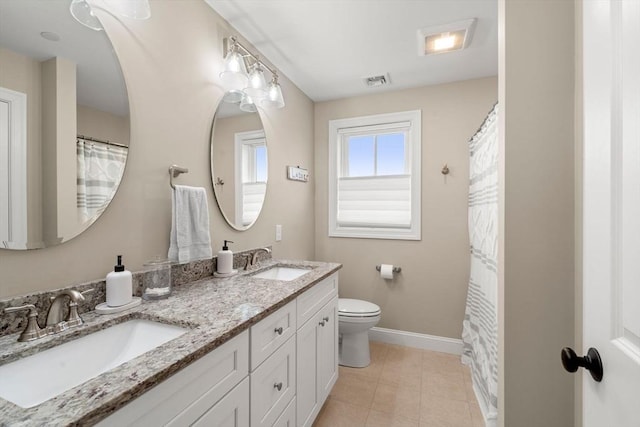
(238, 162)
(64, 124)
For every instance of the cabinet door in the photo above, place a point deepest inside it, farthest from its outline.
(327, 349)
(307, 388)
(231, 411)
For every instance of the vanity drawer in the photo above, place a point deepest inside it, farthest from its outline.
(288, 417)
(182, 398)
(316, 297)
(273, 385)
(232, 410)
(269, 334)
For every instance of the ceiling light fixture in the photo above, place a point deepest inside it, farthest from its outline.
(445, 38)
(83, 13)
(254, 85)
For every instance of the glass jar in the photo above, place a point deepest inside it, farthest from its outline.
(156, 279)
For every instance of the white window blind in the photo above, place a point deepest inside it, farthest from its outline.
(380, 201)
(252, 199)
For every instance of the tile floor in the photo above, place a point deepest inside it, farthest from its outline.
(403, 387)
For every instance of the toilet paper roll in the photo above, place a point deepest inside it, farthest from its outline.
(386, 271)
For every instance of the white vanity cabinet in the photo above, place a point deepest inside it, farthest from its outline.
(317, 350)
(276, 374)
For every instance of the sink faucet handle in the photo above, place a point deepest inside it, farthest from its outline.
(74, 319)
(32, 331)
(30, 307)
(88, 291)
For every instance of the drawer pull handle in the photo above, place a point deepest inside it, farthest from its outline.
(278, 386)
(326, 319)
(321, 323)
(278, 330)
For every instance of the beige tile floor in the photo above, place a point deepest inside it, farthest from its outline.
(403, 387)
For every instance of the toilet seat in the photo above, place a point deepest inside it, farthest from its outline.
(357, 308)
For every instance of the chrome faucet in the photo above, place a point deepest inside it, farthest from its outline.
(252, 260)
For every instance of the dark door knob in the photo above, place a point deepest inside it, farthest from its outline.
(591, 362)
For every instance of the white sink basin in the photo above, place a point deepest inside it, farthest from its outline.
(35, 379)
(282, 273)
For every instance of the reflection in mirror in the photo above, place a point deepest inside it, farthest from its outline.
(238, 164)
(64, 124)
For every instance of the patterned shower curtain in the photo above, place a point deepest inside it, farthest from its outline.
(100, 168)
(480, 326)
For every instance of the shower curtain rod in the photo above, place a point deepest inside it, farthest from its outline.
(100, 141)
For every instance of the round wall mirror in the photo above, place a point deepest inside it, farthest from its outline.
(64, 124)
(238, 163)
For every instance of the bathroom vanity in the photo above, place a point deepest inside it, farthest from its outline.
(257, 351)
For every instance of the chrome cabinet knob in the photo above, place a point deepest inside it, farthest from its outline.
(278, 330)
(278, 386)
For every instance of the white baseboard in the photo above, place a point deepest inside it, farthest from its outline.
(412, 339)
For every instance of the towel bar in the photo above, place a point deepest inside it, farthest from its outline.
(174, 171)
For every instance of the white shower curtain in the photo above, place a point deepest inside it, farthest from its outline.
(480, 326)
(100, 168)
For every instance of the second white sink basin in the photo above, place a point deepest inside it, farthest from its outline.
(282, 273)
(35, 379)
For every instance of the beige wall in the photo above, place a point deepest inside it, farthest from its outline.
(22, 74)
(429, 295)
(171, 63)
(102, 125)
(537, 218)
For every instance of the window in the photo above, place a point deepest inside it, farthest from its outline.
(374, 176)
(251, 175)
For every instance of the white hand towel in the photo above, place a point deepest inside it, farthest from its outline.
(190, 239)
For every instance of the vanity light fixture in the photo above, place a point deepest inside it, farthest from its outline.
(83, 13)
(134, 9)
(247, 105)
(274, 97)
(248, 88)
(445, 38)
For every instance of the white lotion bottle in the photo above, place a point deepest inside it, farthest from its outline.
(119, 286)
(224, 263)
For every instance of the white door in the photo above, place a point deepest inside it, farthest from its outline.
(612, 210)
(13, 169)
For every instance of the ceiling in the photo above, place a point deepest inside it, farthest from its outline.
(327, 47)
(99, 79)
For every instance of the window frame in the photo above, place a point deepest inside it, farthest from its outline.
(378, 123)
(252, 138)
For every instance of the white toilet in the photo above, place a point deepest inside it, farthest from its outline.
(355, 318)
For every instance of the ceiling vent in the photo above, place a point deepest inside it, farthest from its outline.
(377, 81)
(445, 38)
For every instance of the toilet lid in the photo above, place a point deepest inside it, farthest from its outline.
(357, 308)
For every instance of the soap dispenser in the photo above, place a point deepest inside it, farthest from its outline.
(224, 262)
(119, 285)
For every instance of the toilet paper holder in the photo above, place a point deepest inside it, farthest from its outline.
(395, 269)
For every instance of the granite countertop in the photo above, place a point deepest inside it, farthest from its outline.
(214, 310)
